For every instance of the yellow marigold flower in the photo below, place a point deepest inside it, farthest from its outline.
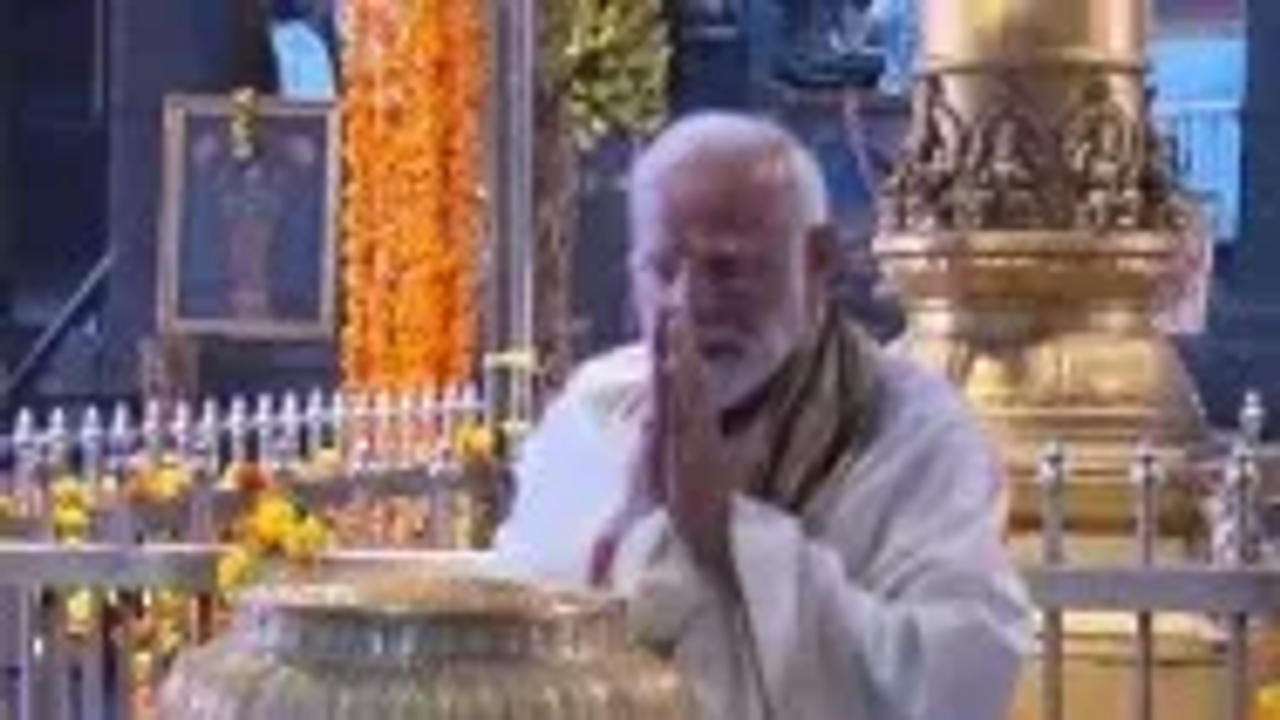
(270, 521)
(171, 641)
(71, 505)
(170, 481)
(235, 568)
(153, 484)
(70, 521)
(474, 443)
(306, 540)
(69, 490)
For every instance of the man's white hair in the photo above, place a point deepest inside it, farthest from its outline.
(724, 132)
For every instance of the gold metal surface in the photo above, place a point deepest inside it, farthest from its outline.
(1055, 44)
(1034, 230)
(1187, 654)
(979, 31)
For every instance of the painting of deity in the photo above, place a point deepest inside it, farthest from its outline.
(248, 218)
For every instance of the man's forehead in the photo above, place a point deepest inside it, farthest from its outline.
(762, 164)
(718, 188)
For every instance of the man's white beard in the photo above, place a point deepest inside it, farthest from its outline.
(731, 379)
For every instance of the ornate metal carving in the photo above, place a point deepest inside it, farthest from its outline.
(920, 193)
(1101, 148)
(1009, 178)
(1100, 168)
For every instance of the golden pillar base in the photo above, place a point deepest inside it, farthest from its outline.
(1100, 678)
(1050, 334)
(1035, 231)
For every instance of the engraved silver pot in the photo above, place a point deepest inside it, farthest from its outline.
(447, 647)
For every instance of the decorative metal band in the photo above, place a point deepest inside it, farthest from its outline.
(1079, 60)
(366, 637)
(1099, 167)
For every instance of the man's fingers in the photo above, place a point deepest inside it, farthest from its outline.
(688, 382)
(653, 464)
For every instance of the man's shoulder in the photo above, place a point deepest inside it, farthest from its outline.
(610, 383)
(916, 399)
(928, 443)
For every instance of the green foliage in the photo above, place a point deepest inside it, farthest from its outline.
(605, 64)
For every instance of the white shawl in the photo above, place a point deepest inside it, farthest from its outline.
(892, 598)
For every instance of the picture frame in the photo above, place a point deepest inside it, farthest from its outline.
(249, 218)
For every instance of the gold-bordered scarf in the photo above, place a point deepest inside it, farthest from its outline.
(816, 413)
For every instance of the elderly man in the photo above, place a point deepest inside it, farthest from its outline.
(810, 525)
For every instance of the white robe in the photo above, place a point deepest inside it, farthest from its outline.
(893, 598)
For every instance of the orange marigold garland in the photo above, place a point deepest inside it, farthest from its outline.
(415, 76)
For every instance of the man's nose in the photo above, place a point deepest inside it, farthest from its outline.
(690, 287)
(704, 294)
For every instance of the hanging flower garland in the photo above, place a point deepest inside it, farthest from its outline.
(412, 109)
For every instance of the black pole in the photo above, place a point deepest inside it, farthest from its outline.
(8, 173)
(1258, 254)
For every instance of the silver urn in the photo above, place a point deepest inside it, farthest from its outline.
(404, 647)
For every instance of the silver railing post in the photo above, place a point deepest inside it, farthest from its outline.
(1241, 487)
(315, 420)
(1052, 476)
(1145, 475)
(26, 447)
(204, 474)
(264, 426)
(237, 425)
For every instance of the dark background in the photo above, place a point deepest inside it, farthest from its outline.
(81, 90)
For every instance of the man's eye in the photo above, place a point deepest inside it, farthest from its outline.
(663, 268)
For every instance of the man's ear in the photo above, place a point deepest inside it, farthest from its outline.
(822, 252)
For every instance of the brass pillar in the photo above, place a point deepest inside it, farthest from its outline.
(1035, 230)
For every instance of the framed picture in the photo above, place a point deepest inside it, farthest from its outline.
(248, 218)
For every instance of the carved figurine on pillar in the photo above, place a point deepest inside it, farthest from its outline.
(1007, 156)
(922, 191)
(1100, 149)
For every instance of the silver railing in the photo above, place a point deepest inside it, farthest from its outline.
(1233, 584)
(90, 621)
(142, 566)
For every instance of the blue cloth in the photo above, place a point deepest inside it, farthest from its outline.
(303, 61)
(1199, 82)
(896, 31)
(1206, 67)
